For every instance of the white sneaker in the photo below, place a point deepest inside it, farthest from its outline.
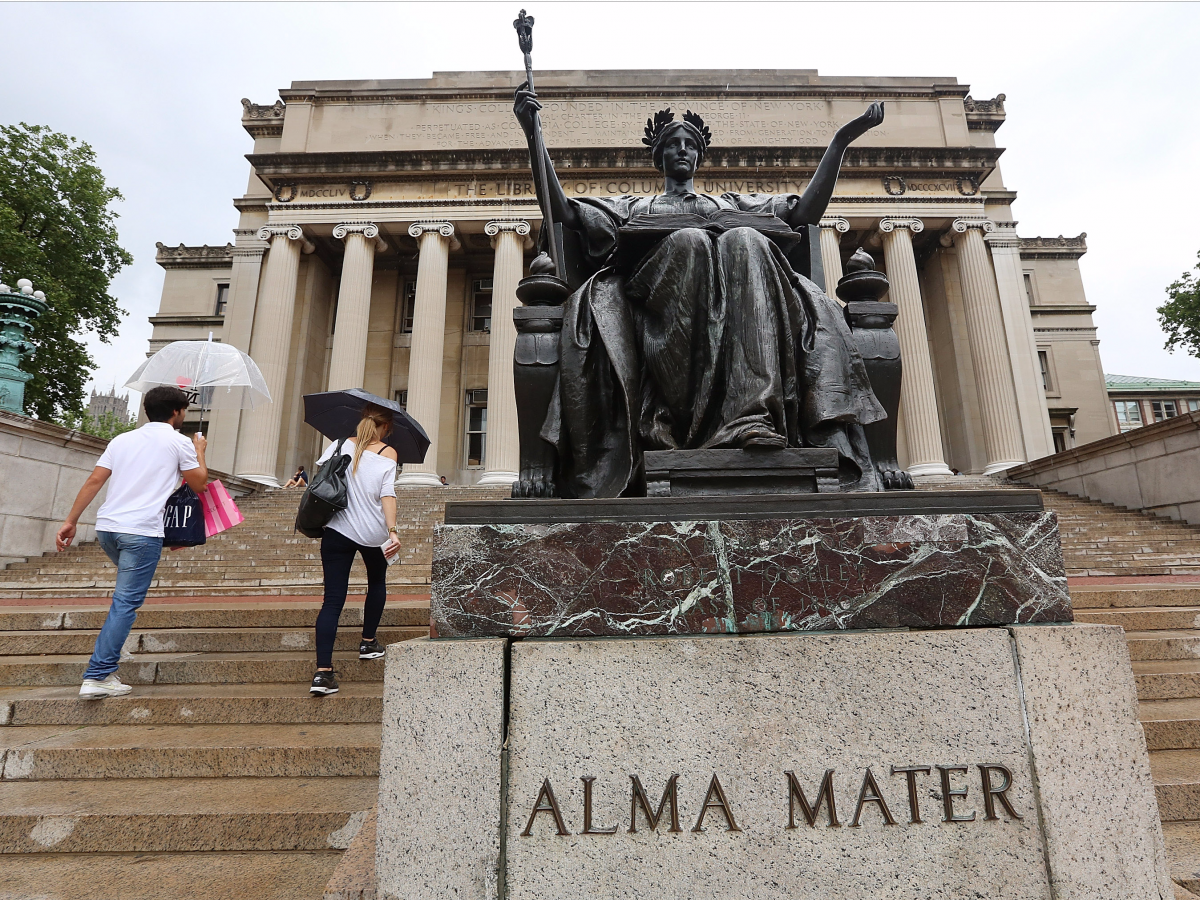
(94, 689)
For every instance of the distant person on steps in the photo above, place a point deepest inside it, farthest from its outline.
(142, 469)
(367, 526)
(300, 479)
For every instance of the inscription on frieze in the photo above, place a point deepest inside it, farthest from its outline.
(613, 122)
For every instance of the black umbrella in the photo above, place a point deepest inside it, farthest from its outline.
(336, 415)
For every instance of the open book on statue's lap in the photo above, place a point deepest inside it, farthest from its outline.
(643, 232)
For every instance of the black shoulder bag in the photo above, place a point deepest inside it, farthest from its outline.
(325, 496)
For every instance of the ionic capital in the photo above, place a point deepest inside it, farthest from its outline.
(291, 232)
(985, 225)
(368, 230)
(890, 224)
(837, 223)
(445, 229)
(519, 227)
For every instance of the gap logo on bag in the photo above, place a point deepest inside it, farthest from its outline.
(183, 519)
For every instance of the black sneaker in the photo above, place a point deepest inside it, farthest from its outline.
(371, 649)
(324, 683)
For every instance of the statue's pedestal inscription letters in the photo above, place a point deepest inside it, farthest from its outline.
(905, 766)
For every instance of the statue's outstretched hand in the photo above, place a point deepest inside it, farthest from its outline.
(858, 127)
(526, 106)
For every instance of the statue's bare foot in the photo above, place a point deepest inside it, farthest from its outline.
(762, 439)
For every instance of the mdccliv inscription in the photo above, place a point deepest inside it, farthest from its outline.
(688, 322)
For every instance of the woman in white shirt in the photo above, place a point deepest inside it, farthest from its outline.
(363, 527)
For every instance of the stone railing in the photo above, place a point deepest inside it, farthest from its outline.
(42, 467)
(1155, 469)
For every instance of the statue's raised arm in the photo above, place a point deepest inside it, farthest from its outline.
(526, 107)
(815, 199)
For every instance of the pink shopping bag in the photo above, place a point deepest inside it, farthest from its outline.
(220, 512)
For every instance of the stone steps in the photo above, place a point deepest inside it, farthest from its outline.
(1183, 849)
(396, 614)
(189, 640)
(1177, 783)
(262, 875)
(1143, 618)
(203, 814)
(1102, 539)
(1133, 597)
(42, 752)
(192, 668)
(1159, 623)
(262, 555)
(219, 775)
(194, 704)
(1171, 724)
(1151, 645)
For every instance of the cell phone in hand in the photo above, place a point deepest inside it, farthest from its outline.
(395, 557)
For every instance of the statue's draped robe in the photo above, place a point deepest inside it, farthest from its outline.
(708, 340)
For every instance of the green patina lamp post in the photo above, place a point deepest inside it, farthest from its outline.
(18, 308)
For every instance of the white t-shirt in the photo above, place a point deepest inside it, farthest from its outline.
(146, 465)
(362, 520)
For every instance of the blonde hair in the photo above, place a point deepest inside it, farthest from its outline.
(374, 426)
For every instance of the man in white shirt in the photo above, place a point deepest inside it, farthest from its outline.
(142, 469)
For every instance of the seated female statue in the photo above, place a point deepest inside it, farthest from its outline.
(702, 336)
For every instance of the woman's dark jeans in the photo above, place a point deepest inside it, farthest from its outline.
(337, 556)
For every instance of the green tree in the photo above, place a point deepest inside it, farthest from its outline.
(1179, 317)
(56, 229)
(107, 425)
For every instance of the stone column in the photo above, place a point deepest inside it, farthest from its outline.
(348, 361)
(258, 446)
(1005, 248)
(242, 301)
(503, 454)
(831, 255)
(428, 340)
(918, 401)
(989, 351)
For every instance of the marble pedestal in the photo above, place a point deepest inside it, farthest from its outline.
(1001, 762)
(750, 564)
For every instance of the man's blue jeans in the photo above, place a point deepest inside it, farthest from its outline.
(136, 558)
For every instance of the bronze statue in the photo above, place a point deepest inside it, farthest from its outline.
(689, 327)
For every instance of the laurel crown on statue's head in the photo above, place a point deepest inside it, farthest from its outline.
(664, 122)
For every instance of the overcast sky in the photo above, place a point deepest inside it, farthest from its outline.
(1102, 133)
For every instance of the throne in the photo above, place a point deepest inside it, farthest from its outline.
(536, 355)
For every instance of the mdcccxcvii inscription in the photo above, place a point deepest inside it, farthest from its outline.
(951, 784)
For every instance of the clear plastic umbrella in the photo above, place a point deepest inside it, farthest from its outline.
(216, 375)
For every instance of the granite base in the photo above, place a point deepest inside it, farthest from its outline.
(985, 763)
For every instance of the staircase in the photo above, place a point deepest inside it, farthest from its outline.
(261, 556)
(218, 777)
(1106, 540)
(221, 777)
(1162, 626)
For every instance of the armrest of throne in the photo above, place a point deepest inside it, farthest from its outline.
(870, 322)
(805, 256)
(535, 357)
